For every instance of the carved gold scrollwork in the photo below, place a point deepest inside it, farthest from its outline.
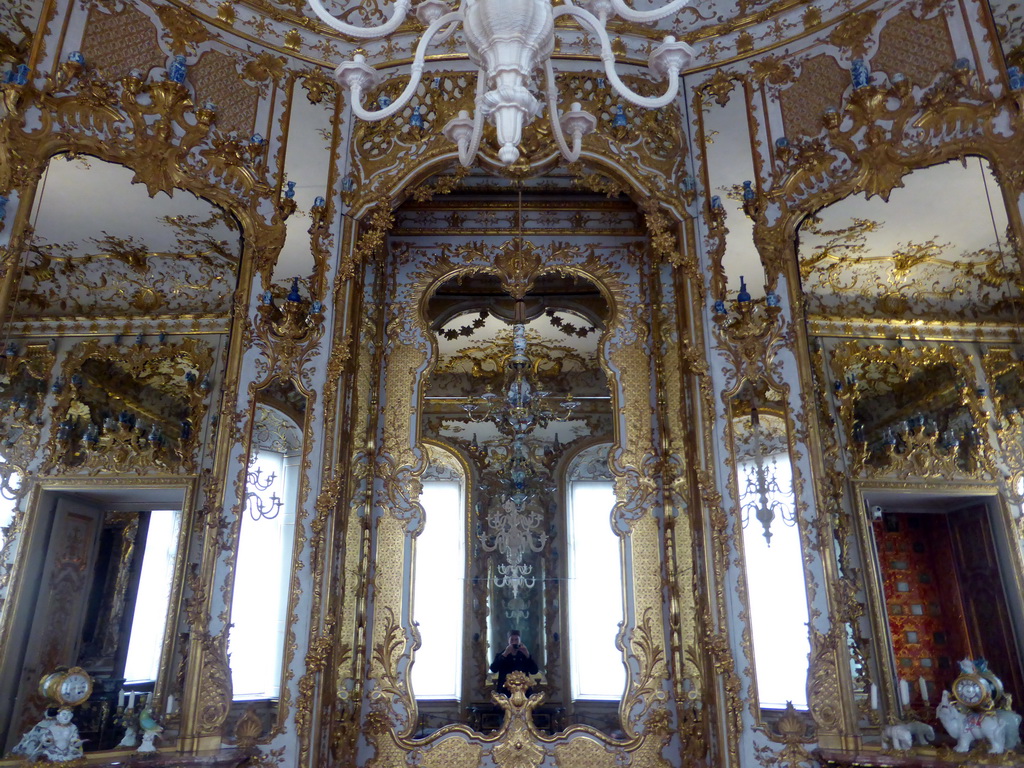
(1004, 372)
(911, 412)
(152, 127)
(130, 408)
(881, 134)
(288, 331)
(214, 697)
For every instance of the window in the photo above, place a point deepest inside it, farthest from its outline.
(150, 617)
(776, 590)
(594, 593)
(259, 606)
(438, 589)
(8, 502)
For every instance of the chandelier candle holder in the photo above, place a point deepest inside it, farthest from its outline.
(509, 41)
(523, 407)
(764, 498)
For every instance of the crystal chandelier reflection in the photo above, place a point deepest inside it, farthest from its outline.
(508, 41)
(520, 409)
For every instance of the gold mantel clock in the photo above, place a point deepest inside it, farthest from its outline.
(67, 687)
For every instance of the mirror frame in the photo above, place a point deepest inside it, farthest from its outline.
(921, 459)
(647, 708)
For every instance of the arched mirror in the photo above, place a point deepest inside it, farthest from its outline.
(517, 357)
(517, 389)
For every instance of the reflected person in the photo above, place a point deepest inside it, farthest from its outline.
(515, 658)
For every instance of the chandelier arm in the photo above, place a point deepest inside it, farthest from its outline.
(642, 17)
(571, 155)
(468, 149)
(415, 75)
(401, 11)
(592, 23)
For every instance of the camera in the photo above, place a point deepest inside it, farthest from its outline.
(876, 512)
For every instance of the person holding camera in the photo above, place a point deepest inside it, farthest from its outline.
(515, 658)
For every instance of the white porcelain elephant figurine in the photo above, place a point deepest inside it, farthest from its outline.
(903, 735)
(1000, 727)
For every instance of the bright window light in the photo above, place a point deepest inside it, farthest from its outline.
(595, 594)
(778, 597)
(259, 606)
(7, 505)
(439, 586)
(150, 618)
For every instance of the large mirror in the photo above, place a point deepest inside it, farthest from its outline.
(135, 293)
(517, 390)
(109, 574)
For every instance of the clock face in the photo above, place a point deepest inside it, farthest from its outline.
(969, 691)
(76, 687)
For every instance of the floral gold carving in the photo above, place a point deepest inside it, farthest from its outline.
(853, 33)
(517, 743)
(183, 29)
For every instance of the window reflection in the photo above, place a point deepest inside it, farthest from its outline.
(150, 615)
(776, 590)
(8, 505)
(595, 593)
(260, 599)
(438, 587)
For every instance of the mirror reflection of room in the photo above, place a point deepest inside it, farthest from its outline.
(112, 614)
(517, 419)
(942, 582)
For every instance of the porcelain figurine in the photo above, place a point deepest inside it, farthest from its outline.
(150, 730)
(52, 738)
(903, 735)
(1000, 727)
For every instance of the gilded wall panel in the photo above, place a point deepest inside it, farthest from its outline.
(819, 85)
(118, 42)
(216, 80)
(919, 49)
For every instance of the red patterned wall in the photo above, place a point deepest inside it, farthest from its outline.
(922, 599)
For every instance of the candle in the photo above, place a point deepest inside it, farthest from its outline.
(170, 705)
(874, 696)
(131, 700)
(120, 698)
(923, 685)
(905, 692)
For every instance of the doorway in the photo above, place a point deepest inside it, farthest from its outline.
(945, 574)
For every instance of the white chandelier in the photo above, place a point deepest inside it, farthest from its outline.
(508, 40)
